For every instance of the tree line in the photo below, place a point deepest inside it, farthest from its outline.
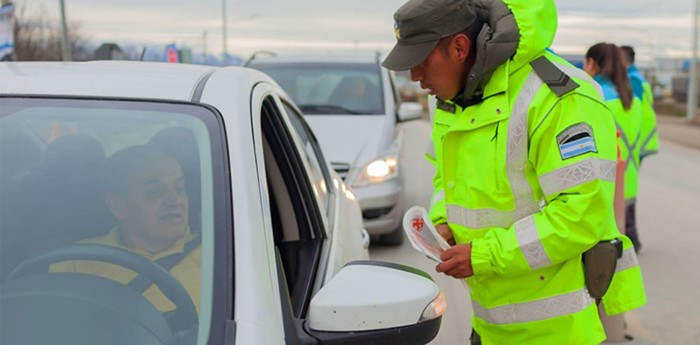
(37, 36)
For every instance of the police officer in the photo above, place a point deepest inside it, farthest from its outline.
(648, 139)
(525, 154)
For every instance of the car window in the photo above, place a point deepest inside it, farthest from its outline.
(297, 223)
(320, 175)
(92, 194)
(330, 88)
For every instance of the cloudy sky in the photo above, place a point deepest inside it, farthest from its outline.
(659, 27)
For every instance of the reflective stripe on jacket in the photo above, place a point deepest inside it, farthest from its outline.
(649, 138)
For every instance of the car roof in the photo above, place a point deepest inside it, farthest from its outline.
(114, 79)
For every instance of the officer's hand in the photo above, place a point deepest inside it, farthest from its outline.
(457, 261)
(446, 233)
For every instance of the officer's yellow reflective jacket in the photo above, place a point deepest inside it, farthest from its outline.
(527, 175)
(629, 123)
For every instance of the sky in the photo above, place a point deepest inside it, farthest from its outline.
(661, 28)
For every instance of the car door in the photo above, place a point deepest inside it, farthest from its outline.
(297, 239)
(347, 239)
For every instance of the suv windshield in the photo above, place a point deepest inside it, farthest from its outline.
(329, 88)
(94, 193)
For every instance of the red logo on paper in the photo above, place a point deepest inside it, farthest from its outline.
(418, 224)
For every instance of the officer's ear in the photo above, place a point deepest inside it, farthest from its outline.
(461, 47)
(116, 205)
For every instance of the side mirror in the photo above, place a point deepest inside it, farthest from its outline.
(410, 111)
(372, 302)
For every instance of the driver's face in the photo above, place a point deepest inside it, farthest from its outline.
(154, 205)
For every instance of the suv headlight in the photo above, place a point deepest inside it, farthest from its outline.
(378, 171)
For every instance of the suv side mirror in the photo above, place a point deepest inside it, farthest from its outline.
(410, 111)
(372, 302)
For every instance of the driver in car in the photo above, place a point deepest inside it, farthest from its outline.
(145, 192)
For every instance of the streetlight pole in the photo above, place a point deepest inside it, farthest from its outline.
(204, 43)
(693, 76)
(225, 31)
(65, 43)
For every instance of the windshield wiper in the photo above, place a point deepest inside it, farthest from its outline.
(328, 109)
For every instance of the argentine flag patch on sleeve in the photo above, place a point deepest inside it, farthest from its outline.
(576, 140)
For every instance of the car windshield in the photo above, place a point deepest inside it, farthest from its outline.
(329, 88)
(107, 212)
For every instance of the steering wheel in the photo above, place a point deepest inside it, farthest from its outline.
(183, 317)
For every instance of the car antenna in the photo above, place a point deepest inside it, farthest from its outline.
(259, 52)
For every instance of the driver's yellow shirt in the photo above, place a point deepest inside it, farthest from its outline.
(187, 271)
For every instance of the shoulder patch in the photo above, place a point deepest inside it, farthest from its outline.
(576, 140)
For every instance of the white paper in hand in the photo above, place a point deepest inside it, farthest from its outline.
(422, 233)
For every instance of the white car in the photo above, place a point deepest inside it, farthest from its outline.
(353, 105)
(270, 244)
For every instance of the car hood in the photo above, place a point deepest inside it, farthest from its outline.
(352, 139)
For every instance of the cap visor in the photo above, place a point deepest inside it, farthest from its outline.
(403, 57)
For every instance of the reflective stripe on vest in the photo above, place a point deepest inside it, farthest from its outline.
(627, 260)
(576, 174)
(630, 147)
(530, 244)
(488, 217)
(560, 305)
(644, 151)
(437, 197)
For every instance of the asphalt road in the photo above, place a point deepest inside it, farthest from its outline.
(668, 218)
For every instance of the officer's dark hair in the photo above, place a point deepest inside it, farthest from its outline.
(472, 32)
(609, 59)
(629, 53)
(124, 164)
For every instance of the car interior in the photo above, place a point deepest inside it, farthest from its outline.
(50, 198)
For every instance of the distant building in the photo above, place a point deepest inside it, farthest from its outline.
(680, 83)
(109, 51)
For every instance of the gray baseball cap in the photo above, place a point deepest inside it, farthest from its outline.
(420, 24)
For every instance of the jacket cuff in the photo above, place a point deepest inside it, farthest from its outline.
(438, 213)
(481, 258)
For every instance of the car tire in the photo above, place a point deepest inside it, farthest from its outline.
(394, 238)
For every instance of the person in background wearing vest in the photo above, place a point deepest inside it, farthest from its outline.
(649, 138)
(145, 192)
(525, 154)
(604, 62)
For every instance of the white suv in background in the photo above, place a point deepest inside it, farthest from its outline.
(353, 106)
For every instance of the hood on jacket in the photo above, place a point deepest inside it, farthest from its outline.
(519, 30)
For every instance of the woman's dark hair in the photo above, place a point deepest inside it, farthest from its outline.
(609, 59)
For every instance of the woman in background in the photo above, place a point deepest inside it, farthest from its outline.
(604, 62)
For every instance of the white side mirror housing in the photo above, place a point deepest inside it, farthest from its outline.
(372, 295)
(410, 111)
